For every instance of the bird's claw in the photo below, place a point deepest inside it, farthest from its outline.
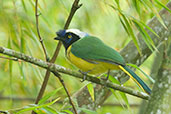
(84, 75)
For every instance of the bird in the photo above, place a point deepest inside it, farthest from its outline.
(92, 56)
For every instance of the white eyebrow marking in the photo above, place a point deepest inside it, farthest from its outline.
(77, 32)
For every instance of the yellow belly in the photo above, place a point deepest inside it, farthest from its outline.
(92, 68)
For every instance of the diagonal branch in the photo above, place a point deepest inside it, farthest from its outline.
(63, 84)
(74, 8)
(57, 68)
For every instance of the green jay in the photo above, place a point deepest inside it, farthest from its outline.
(92, 56)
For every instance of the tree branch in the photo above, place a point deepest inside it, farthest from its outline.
(56, 68)
(38, 32)
(160, 98)
(63, 84)
(74, 8)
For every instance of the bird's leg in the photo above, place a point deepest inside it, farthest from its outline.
(84, 75)
(108, 74)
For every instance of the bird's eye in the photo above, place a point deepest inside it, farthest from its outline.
(69, 36)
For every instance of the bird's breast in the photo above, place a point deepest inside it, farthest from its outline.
(92, 67)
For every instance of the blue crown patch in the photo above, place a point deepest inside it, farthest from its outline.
(61, 33)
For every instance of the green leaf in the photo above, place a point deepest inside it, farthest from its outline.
(114, 80)
(67, 111)
(87, 111)
(123, 24)
(91, 90)
(125, 21)
(46, 110)
(135, 40)
(146, 26)
(162, 5)
(118, 97)
(24, 6)
(142, 32)
(143, 24)
(148, 37)
(46, 97)
(42, 111)
(124, 98)
(153, 9)
(117, 2)
(137, 6)
(135, 66)
(115, 8)
(123, 95)
(35, 107)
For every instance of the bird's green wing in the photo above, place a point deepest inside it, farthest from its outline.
(92, 48)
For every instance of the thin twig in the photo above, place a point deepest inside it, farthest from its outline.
(42, 44)
(74, 8)
(57, 68)
(63, 84)
(38, 32)
(14, 59)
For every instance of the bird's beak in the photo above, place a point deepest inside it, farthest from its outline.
(60, 35)
(57, 38)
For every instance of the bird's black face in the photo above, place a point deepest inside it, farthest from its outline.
(67, 38)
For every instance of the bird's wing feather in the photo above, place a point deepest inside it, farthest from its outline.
(92, 48)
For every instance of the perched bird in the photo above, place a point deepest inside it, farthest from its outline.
(92, 56)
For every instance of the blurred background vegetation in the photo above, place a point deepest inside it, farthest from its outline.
(96, 17)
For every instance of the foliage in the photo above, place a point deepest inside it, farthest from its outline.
(18, 32)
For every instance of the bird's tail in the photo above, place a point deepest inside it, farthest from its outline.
(135, 78)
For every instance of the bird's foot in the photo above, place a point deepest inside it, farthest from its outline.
(106, 78)
(108, 73)
(84, 75)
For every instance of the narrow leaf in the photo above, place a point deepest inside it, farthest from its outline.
(87, 111)
(137, 6)
(142, 32)
(46, 97)
(91, 90)
(34, 107)
(162, 5)
(146, 26)
(117, 96)
(46, 110)
(123, 24)
(67, 111)
(135, 66)
(135, 40)
(125, 99)
(24, 6)
(153, 9)
(123, 95)
(114, 80)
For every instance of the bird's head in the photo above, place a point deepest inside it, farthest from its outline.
(69, 36)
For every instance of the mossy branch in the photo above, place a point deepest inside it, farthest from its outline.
(57, 68)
